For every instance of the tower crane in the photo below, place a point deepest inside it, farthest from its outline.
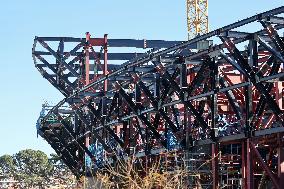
(197, 17)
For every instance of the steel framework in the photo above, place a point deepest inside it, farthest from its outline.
(221, 102)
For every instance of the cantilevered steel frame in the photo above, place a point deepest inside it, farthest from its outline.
(175, 96)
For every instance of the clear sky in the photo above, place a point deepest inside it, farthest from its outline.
(22, 88)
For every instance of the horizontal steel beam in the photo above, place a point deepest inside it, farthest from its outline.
(240, 137)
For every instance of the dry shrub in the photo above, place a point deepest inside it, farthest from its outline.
(134, 174)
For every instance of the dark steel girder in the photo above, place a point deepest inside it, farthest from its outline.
(156, 106)
(68, 160)
(181, 95)
(112, 106)
(232, 99)
(214, 82)
(201, 75)
(167, 88)
(264, 166)
(71, 132)
(270, 49)
(102, 122)
(253, 77)
(142, 117)
(59, 58)
(64, 144)
(273, 34)
(94, 134)
(52, 68)
(268, 86)
(62, 89)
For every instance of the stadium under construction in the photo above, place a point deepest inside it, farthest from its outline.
(216, 99)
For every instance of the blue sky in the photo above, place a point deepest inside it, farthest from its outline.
(23, 90)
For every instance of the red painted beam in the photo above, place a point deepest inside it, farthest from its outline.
(215, 166)
(105, 72)
(243, 164)
(249, 169)
(264, 166)
(280, 152)
(97, 41)
(87, 77)
(87, 61)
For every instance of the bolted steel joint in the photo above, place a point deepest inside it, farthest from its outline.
(117, 86)
(160, 68)
(135, 77)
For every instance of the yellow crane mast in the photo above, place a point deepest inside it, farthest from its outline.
(197, 17)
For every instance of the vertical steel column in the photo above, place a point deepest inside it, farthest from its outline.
(126, 134)
(166, 110)
(87, 74)
(244, 165)
(60, 52)
(138, 96)
(87, 59)
(105, 71)
(214, 118)
(105, 88)
(253, 54)
(277, 94)
(147, 146)
(264, 166)
(249, 169)
(214, 97)
(157, 86)
(214, 149)
(252, 61)
(103, 115)
(183, 84)
(280, 152)
(138, 102)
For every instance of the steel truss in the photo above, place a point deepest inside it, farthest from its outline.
(175, 96)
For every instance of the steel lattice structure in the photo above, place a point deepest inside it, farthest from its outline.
(226, 99)
(197, 17)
